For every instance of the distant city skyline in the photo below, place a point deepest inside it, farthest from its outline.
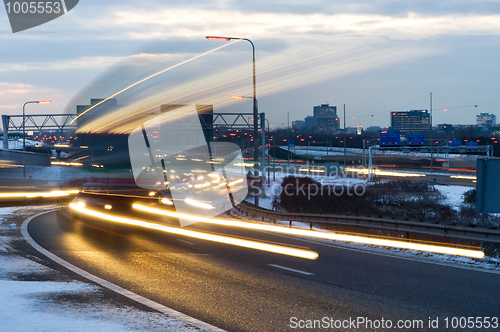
(375, 57)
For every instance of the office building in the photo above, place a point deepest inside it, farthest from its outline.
(486, 120)
(323, 121)
(310, 124)
(411, 122)
(327, 121)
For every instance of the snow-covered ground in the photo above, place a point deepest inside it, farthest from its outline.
(321, 151)
(275, 185)
(34, 297)
(453, 194)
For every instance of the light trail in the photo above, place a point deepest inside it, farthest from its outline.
(467, 177)
(8, 165)
(62, 163)
(383, 173)
(198, 204)
(166, 201)
(56, 193)
(147, 78)
(319, 235)
(284, 71)
(307, 254)
(312, 170)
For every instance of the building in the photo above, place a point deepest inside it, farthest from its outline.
(323, 121)
(447, 128)
(310, 124)
(486, 120)
(359, 130)
(327, 121)
(374, 129)
(411, 122)
(297, 125)
(97, 108)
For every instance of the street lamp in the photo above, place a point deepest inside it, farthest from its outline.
(263, 158)
(255, 109)
(24, 127)
(432, 140)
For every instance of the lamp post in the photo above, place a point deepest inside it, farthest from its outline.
(255, 109)
(345, 153)
(263, 157)
(24, 127)
(268, 178)
(432, 139)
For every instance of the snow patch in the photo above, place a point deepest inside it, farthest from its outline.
(21, 313)
(453, 194)
(21, 265)
(6, 211)
(56, 306)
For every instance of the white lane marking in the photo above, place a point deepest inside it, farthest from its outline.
(186, 242)
(122, 291)
(292, 270)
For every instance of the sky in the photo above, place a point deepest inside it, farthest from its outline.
(373, 56)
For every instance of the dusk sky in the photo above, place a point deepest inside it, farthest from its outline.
(373, 56)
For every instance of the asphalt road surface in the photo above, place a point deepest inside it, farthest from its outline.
(239, 289)
(438, 179)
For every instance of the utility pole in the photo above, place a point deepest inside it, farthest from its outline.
(364, 155)
(288, 139)
(345, 160)
(274, 158)
(432, 140)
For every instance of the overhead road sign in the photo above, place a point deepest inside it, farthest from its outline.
(390, 138)
(416, 139)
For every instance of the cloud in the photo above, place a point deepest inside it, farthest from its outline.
(104, 34)
(95, 35)
(14, 95)
(384, 7)
(287, 20)
(189, 23)
(61, 64)
(9, 106)
(278, 73)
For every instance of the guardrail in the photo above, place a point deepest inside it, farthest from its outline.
(447, 229)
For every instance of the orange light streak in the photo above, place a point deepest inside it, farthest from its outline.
(147, 78)
(200, 235)
(320, 235)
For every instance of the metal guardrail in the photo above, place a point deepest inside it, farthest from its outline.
(451, 230)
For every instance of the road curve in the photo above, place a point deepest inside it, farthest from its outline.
(240, 289)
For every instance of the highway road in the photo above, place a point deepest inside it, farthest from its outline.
(239, 289)
(439, 179)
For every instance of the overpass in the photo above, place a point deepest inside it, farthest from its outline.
(35, 122)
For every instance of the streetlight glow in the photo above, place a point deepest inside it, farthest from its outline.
(219, 38)
(24, 129)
